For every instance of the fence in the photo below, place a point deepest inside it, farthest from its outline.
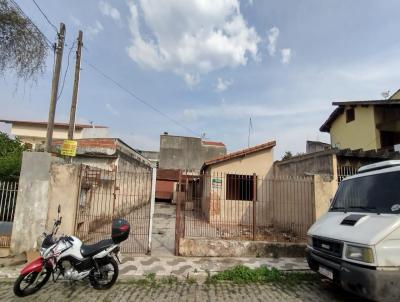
(8, 199)
(106, 195)
(245, 207)
(344, 171)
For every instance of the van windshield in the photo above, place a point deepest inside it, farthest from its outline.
(378, 193)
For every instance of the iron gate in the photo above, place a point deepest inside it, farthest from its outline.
(244, 207)
(107, 195)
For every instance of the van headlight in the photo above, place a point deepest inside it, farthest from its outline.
(359, 253)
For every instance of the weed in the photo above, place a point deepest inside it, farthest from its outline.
(169, 280)
(191, 280)
(242, 274)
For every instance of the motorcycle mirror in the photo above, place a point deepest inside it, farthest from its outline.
(59, 209)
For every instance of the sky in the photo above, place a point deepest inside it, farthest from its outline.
(208, 66)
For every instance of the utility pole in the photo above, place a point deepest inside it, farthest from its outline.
(54, 86)
(71, 128)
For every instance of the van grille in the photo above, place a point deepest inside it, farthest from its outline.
(331, 247)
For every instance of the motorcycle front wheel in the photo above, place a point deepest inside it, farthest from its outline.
(29, 284)
(106, 275)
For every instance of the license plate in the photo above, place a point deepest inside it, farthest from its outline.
(325, 272)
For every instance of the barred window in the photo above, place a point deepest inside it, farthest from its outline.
(239, 187)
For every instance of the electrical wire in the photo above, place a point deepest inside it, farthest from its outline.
(48, 41)
(66, 71)
(139, 99)
(44, 15)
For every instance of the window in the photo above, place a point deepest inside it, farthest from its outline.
(376, 193)
(239, 187)
(350, 116)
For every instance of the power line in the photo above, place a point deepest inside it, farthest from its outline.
(66, 71)
(140, 99)
(44, 15)
(48, 42)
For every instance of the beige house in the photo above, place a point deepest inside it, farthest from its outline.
(230, 181)
(34, 133)
(366, 125)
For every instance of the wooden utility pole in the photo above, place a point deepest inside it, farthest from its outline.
(54, 86)
(72, 114)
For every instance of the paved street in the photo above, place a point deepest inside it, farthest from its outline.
(126, 291)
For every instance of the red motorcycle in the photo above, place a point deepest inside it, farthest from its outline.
(68, 258)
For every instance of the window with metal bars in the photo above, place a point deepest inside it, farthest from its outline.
(239, 187)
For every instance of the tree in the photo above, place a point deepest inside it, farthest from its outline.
(287, 155)
(10, 157)
(23, 47)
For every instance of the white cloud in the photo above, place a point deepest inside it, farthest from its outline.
(111, 109)
(191, 79)
(93, 30)
(286, 54)
(90, 31)
(273, 35)
(222, 84)
(107, 10)
(190, 37)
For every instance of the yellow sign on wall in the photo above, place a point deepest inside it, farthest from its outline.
(69, 148)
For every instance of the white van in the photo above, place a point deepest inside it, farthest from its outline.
(356, 243)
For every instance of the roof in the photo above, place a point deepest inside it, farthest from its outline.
(61, 125)
(101, 147)
(326, 126)
(346, 153)
(210, 143)
(241, 153)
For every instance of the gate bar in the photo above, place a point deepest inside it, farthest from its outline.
(152, 203)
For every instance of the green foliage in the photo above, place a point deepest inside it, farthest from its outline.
(10, 157)
(243, 274)
(287, 155)
(23, 48)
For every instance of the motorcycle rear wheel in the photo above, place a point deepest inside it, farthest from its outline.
(24, 285)
(101, 279)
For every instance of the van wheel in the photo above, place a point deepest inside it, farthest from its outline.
(106, 275)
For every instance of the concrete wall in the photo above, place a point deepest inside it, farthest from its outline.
(324, 191)
(186, 153)
(32, 202)
(323, 163)
(63, 191)
(358, 134)
(201, 247)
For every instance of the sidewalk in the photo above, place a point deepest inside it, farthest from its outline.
(183, 267)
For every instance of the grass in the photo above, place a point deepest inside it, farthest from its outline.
(239, 275)
(243, 274)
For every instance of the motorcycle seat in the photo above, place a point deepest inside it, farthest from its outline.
(93, 249)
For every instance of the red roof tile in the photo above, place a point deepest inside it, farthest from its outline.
(210, 143)
(241, 153)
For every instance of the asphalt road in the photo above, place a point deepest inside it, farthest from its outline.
(182, 291)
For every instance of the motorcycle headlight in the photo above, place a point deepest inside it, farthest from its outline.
(359, 253)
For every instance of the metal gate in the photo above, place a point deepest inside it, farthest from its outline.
(228, 206)
(107, 195)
